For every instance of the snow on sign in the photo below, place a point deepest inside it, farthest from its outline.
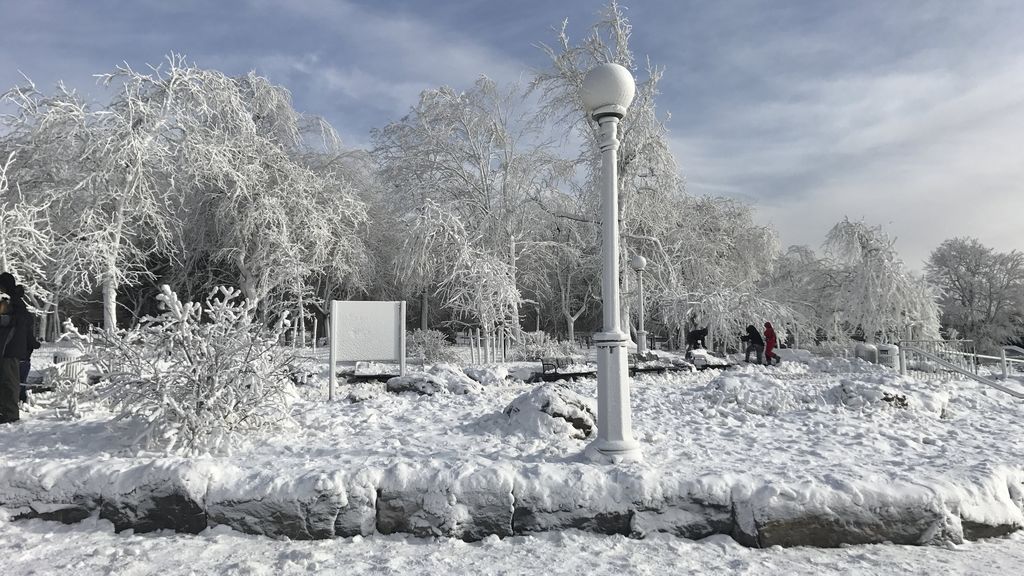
(371, 331)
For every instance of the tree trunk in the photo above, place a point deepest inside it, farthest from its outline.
(301, 320)
(109, 277)
(109, 302)
(424, 309)
(517, 330)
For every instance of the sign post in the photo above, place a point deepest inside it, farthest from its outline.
(366, 331)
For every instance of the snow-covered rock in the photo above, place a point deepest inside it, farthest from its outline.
(488, 375)
(455, 380)
(439, 379)
(550, 410)
(314, 505)
(437, 499)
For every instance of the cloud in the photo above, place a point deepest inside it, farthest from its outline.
(925, 143)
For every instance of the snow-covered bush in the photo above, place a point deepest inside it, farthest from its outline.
(537, 345)
(431, 345)
(198, 377)
(68, 378)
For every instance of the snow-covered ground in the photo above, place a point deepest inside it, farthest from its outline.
(816, 434)
(92, 547)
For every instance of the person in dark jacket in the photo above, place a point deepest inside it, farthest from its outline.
(695, 338)
(25, 364)
(770, 343)
(754, 344)
(15, 331)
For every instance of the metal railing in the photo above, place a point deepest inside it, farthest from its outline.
(960, 353)
(1004, 359)
(907, 349)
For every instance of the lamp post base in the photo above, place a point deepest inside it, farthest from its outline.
(615, 442)
(614, 451)
(641, 342)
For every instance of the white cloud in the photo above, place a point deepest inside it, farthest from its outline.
(929, 154)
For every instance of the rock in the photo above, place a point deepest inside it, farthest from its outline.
(455, 380)
(151, 508)
(685, 517)
(440, 379)
(977, 530)
(315, 505)
(63, 513)
(526, 520)
(832, 519)
(462, 502)
(548, 410)
(584, 497)
(418, 382)
(487, 376)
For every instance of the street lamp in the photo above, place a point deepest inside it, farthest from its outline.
(639, 263)
(607, 92)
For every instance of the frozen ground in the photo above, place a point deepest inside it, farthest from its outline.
(825, 435)
(37, 547)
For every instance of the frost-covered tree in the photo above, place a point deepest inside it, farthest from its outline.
(982, 290)
(25, 238)
(871, 289)
(256, 212)
(477, 155)
(186, 173)
(648, 176)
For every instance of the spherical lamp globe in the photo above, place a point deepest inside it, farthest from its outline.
(608, 89)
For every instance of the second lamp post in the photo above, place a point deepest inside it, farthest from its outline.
(639, 263)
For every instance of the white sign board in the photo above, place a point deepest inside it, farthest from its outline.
(370, 331)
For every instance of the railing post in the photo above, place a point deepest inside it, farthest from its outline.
(1002, 354)
(903, 360)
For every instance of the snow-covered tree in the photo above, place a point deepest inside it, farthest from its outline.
(25, 238)
(187, 173)
(871, 289)
(255, 212)
(478, 155)
(982, 290)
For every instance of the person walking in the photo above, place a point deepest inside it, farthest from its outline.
(754, 344)
(770, 342)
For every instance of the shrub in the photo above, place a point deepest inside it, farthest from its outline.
(199, 377)
(432, 346)
(537, 345)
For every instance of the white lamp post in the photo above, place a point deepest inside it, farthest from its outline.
(639, 263)
(607, 92)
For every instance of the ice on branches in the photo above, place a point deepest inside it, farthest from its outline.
(200, 376)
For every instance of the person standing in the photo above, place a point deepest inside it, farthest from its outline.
(754, 344)
(9, 384)
(770, 343)
(15, 331)
(25, 363)
(696, 339)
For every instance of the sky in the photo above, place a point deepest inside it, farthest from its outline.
(908, 115)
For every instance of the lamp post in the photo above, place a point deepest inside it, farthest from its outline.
(607, 92)
(639, 263)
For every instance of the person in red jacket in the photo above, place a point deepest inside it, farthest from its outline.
(770, 342)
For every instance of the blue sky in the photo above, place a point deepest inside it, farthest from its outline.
(907, 114)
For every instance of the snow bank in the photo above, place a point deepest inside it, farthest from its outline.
(823, 452)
